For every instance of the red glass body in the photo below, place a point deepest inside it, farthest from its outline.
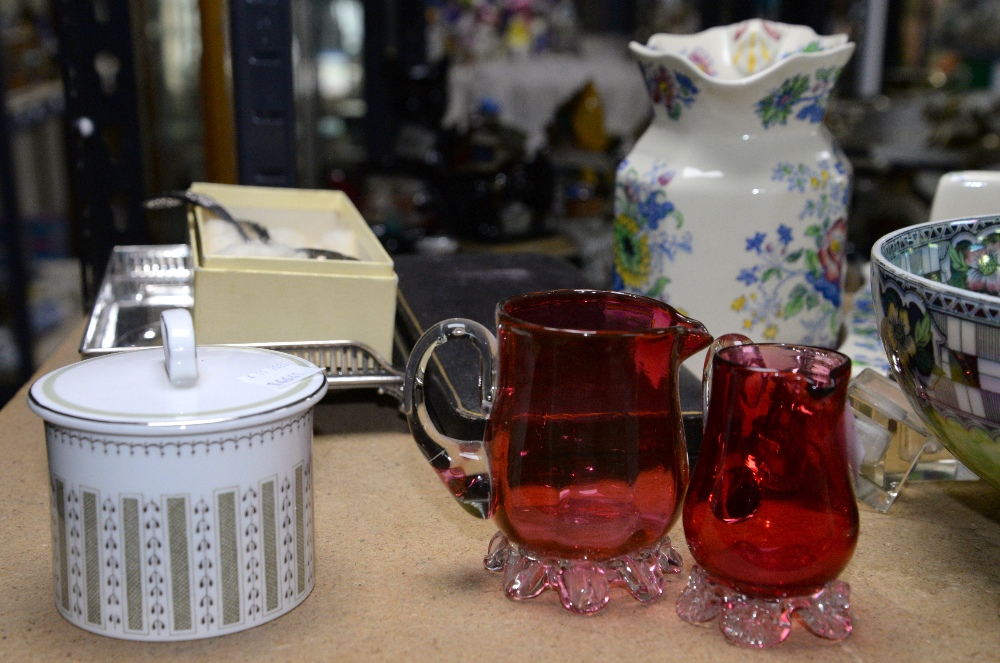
(585, 439)
(771, 508)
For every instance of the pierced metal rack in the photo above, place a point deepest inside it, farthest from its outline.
(141, 281)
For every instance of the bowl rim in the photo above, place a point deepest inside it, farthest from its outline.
(878, 258)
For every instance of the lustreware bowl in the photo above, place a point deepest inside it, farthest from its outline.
(936, 287)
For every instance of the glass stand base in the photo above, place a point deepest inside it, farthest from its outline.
(758, 622)
(894, 444)
(583, 585)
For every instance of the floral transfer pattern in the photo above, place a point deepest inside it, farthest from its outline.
(812, 47)
(649, 230)
(797, 272)
(803, 94)
(702, 59)
(669, 88)
(932, 372)
(975, 266)
(944, 346)
(905, 329)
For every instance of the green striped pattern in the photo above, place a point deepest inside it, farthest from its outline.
(132, 541)
(300, 531)
(269, 523)
(89, 562)
(180, 579)
(229, 558)
(92, 557)
(63, 553)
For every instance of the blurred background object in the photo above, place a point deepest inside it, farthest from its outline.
(454, 125)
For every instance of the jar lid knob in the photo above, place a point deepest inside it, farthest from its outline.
(181, 358)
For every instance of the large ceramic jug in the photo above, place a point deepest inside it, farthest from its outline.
(733, 204)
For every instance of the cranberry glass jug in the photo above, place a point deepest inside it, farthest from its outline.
(771, 518)
(584, 464)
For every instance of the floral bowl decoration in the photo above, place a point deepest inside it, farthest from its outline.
(936, 288)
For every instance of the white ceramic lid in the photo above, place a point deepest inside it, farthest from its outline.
(216, 388)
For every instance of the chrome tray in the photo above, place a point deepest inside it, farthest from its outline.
(143, 281)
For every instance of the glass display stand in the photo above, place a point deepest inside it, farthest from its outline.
(897, 445)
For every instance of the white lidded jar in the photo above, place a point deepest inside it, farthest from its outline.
(181, 486)
(732, 206)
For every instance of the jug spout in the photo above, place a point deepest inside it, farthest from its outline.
(460, 464)
(693, 336)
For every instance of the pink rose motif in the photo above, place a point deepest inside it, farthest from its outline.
(984, 268)
(663, 89)
(831, 255)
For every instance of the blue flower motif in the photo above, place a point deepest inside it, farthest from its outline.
(814, 112)
(687, 85)
(653, 210)
(748, 276)
(616, 280)
(829, 289)
(785, 234)
(756, 242)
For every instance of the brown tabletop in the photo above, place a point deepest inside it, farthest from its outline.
(399, 572)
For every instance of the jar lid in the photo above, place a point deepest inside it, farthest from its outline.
(180, 389)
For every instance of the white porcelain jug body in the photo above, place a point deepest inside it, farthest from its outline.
(732, 206)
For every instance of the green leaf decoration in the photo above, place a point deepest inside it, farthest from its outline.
(793, 257)
(922, 331)
(957, 261)
(657, 289)
(812, 301)
(680, 218)
(923, 361)
(814, 231)
(768, 273)
(796, 301)
(793, 307)
(813, 263)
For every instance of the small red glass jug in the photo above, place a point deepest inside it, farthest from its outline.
(770, 516)
(584, 464)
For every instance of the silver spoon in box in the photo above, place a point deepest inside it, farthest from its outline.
(249, 231)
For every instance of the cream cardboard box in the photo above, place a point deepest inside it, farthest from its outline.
(266, 299)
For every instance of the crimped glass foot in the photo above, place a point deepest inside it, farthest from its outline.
(758, 622)
(583, 585)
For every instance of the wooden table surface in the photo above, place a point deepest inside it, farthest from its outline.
(399, 572)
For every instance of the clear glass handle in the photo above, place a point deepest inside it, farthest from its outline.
(461, 464)
(726, 341)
